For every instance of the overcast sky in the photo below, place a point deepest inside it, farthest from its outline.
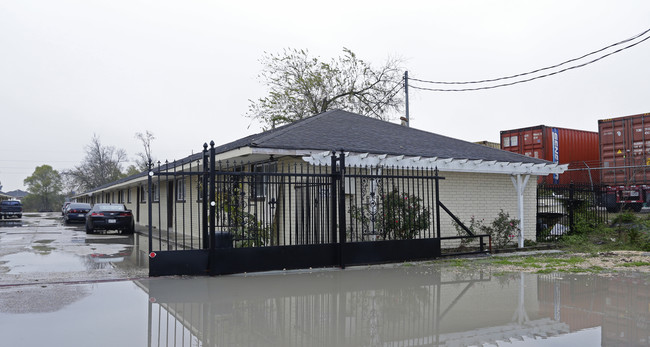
(185, 70)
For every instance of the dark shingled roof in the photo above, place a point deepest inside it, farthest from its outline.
(338, 129)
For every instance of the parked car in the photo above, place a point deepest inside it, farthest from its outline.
(65, 204)
(76, 211)
(110, 217)
(11, 209)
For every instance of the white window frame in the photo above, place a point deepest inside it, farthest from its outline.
(180, 189)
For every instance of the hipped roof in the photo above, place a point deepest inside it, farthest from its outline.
(364, 137)
(342, 130)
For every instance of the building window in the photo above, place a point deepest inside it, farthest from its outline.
(156, 192)
(143, 193)
(260, 186)
(120, 196)
(128, 195)
(180, 190)
(199, 189)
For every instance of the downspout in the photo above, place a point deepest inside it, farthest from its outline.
(520, 187)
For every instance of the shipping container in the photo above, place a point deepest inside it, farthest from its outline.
(625, 156)
(578, 148)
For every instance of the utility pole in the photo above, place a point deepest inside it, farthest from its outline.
(406, 94)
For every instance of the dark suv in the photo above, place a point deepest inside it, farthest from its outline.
(11, 209)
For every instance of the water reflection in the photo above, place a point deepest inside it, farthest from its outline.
(11, 223)
(396, 307)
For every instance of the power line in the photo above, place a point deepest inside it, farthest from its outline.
(535, 71)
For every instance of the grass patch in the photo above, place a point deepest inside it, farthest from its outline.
(43, 250)
(44, 241)
(506, 261)
(459, 262)
(545, 264)
(635, 264)
(627, 231)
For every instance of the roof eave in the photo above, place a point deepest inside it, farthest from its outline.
(442, 164)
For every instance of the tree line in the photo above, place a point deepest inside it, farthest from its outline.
(102, 164)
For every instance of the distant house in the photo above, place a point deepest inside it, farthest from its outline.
(4, 196)
(17, 194)
(479, 180)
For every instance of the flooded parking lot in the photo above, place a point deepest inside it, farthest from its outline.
(46, 300)
(40, 248)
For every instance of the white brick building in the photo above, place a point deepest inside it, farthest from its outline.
(479, 181)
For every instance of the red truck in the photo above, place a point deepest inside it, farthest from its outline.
(625, 157)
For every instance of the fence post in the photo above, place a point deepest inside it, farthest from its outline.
(212, 196)
(149, 206)
(341, 203)
(437, 179)
(204, 199)
(571, 207)
(332, 212)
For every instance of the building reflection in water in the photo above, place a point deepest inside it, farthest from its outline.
(405, 306)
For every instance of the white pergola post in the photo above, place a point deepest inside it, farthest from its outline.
(520, 186)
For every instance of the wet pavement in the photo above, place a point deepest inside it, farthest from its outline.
(39, 248)
(57, 295)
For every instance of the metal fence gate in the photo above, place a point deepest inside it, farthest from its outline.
(216, 218)
(565, 209)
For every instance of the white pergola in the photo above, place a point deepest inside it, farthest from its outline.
(519, 172)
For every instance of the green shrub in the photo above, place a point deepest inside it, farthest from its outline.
(625, 217)
(503, 229)
(400, 216)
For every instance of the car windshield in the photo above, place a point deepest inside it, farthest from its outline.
(111, 207)
(84, 206)
(11, 202)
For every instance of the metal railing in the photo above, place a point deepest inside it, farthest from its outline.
(566, 209)
(205, 204)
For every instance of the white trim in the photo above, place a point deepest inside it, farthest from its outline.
(443, 164)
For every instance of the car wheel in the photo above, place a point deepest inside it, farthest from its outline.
(89, 230)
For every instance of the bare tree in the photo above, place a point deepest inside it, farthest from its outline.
(301, 86)
(143, 159)
(102, 165)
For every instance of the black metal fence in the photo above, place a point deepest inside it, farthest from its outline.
(278, 214)
(566, 209)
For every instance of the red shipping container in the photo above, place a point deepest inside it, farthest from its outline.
(578, 148)
(625, 148)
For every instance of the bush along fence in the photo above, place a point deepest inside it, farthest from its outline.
(568, 209)
(278, 214)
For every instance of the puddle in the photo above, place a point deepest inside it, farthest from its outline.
(11, 223)
(103, 314)
(51, 261)
(420, 305)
